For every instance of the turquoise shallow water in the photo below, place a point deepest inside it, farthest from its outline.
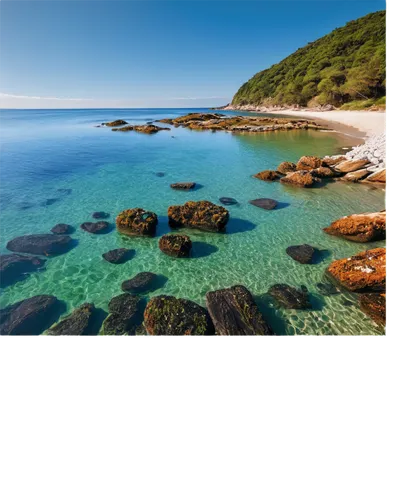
(43, 151)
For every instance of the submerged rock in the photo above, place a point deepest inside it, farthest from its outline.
(183, 185)
(100, 227)
(363, 272)
(309, 163)
(202, 215)
(166, 315)
(76, 323)
(374, 304)
(234, 312)
(327, 289)
(136, 221)
(286, 167)
(100, 215)
(116, 123)
(118, 256)
(142, 282)
(40, 244)
(62, 229)
(29, 317)
(159, 174)
(302, 253)
(124, 315)
(290, 297)
(360, 227)
(228, 201)
(64, 190)
(144, 129)
(265, 203)
(175, 245)
(14, 266)
(300, 178)
(267, 175)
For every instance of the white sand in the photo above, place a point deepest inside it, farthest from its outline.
(369, 122)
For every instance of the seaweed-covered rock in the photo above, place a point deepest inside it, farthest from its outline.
(166, 315)
(118, 256)
(76, 323)
(137, 221)
(183, 186)
(234, 312)
(100, 227)
(115, 123)
(175, 245)
(363, 272)
(124, 315)
(14, 266)
(374, 304)
(286, 167)
(360, 227)
(300, 178)
(265, 203)
(62, 229)
(29, 317)
(268, 175)
(290, 297)
(225, 200)
(200, 215)
(302, 253)
(346, 167)
(309, 163)
(100, 215)
(40, 244)
(142, 282)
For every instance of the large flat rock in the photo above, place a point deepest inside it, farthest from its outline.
(41, 244)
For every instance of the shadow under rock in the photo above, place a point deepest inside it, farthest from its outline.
(320, 255)
(99, 315)
(282, 204)
(270, 314)
(202, 249)
(236, 225)
(16, 277)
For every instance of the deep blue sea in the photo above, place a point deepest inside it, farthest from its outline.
(43, 151)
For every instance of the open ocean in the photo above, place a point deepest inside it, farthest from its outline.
(43, 151)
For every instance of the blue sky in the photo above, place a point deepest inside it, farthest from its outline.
(151, 53)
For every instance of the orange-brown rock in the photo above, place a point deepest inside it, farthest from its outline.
(145, 129)
(360, 227)
(330, 162)
(324, 173)
(116, 123)
(300, 178)
(137, 221)
(309, 163)
(356, 176)
(175, 245)
(374, 304)
(199, 214)
(379, 176)
(364, 272)
(285, 167)
(351, 165)
(267, 175)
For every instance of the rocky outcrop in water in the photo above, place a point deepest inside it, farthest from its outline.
(118, 256)
(185, 186)
(144, 129)
(309, 163)
(100, 215)
(265, 203)
(175, 245)
(166, 315)
(142, 282)
(364, 272)
(116, 123)
(301, 253)
(234, 312)
(374, 305)
(301, 178)
(202, 215)
(14, 266)
(286, 167)
(124, 315)
(349, 166)
(41, 244)
(137, 221)
(360, 227)
(62, 229)
(268, 175)
(29, 317)
(225, 200)
(290, 297)
(100, 227)
(76, 323)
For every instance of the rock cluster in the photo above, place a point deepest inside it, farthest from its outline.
(144, 129)
(200, 215)
(268, 175)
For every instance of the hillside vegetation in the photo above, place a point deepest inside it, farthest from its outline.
(345, 66)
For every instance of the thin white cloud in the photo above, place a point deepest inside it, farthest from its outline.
(43, 98)
(197, 98)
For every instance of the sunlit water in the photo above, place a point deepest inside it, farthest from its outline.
(43, 151)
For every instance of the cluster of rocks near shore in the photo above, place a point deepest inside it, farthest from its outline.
(231, 311)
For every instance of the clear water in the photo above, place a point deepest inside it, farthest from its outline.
(43, 151)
